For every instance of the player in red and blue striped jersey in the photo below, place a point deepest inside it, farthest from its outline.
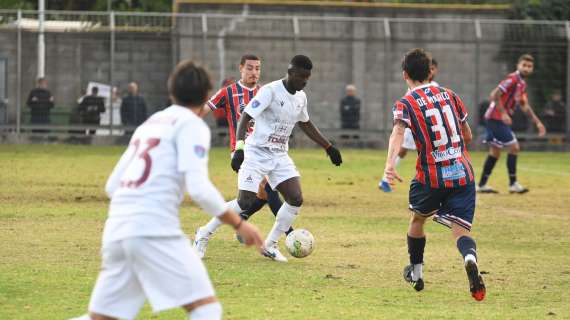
(444, 183)
(510, 93)
(233, 98)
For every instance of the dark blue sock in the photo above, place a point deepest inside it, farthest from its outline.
(416, 248)
(256, 206)
(487, 169)
(466, 245)
(512, 168)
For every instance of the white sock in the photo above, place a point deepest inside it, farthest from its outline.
(397, 161)
(83, 317)
(210, 311)
(470, 257)
(215, 223)
(418, 272)
(284, 220)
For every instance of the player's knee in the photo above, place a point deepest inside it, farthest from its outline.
(495, 152)
(515, 148)
(246, 202)
(295, 199)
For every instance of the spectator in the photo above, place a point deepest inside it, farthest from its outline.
(133, 108)
(554, 113)
(90, 109)
(116, 114)
(40, 101)
(350, 109)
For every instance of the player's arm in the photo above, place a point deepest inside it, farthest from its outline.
(396, 139)
(315, 134)
(218, 100)
(495, 97)
(466, 132)
(526, 108)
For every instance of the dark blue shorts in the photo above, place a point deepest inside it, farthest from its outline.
(449, 205)
(499, 134)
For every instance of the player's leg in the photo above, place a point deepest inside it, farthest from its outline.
(514, 186)
(260, 201)
(492, 157)
(424, 202)
(172, 275)
(458, 209)
(274, 202)
(117, 293)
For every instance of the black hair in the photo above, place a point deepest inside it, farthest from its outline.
(189, 84)
(248, 56)
(302, 62)
(416, 64)
(95, 90)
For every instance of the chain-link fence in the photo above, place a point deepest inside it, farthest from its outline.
(106, 50)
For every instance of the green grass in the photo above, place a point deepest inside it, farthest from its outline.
(52, 210)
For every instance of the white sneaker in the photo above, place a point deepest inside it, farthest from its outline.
(517, 188)
(486, 189)
(273, 253)
(201, 242)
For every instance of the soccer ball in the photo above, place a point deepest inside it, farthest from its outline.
(300, 243)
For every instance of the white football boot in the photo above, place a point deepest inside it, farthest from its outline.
(486, 189)
(517, 188)
(201, 242)
(272, 252)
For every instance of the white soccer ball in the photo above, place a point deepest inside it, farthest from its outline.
(300, 243)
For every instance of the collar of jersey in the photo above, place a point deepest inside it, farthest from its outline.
(519, 75)
(422, 86)
(245, 87)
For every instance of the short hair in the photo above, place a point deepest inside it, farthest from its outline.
(248, 56)
(434, 62)
(302, 62)
(95, 89)
(189, 84)
(526, 57)
(416, 64)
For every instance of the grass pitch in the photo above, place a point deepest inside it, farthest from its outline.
(52, 209)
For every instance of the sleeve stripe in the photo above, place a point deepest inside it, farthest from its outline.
(212, 106)
(502, 89)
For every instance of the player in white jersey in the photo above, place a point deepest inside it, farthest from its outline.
(145, 254)
(277, 108)
(409, 142)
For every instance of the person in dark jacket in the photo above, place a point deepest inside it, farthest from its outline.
(40, 102)
(133, 108)
(350, 109)
(90, 109)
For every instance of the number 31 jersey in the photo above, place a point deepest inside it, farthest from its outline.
(147, 184)
(436, 115)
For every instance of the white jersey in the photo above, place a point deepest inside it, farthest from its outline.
(276, 112)
(148, 183)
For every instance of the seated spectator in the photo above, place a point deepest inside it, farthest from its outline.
(350, 109)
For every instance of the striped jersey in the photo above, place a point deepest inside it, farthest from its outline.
(233, 99)
(435, 115)
(514, 91)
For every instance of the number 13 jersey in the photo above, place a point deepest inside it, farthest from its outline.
(147, 185)
(436, 115)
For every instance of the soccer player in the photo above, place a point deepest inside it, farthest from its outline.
(504, 99)
(444, 183)
(233, 98)
(145, 253)
(277, 108)
(409, 143)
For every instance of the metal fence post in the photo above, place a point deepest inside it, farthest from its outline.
(476, 99)
(386, 75)
(111, 68)
(296, 32)
(204, 38)
(19, 75)
(567, 120)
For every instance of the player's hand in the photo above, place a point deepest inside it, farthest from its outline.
(334, 154)
(237, 160)
(541, 129)
(250, 235)
(507, 119)
(391, 175)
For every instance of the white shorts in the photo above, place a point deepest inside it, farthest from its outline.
(409, 142)
(164, 270)
(260, 162)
